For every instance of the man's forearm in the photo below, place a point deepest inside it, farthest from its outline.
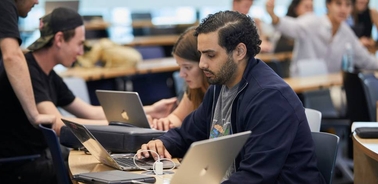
(19, 77)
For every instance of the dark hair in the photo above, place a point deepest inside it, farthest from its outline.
(67, 36)
(291, 10)
(233, 28)
(355, 11)
(186, 47)
(329, 1)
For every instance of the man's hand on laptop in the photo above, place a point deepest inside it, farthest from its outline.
(151, 148)
(162, 108)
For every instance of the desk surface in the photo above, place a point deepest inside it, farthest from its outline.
(368, 146)
(79, 162)
(365, 156)
(298, 84)
(147, 66)
(158, 40)
(301, 84)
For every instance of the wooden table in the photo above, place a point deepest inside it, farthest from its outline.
(301, 84)
(365, 153)
(79, 162)
(158, 40)
(147, 66)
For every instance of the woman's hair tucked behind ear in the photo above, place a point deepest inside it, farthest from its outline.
(186, 48)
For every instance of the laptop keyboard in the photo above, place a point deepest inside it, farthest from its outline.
(128, 162)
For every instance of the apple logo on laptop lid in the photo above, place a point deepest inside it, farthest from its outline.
(124, 115)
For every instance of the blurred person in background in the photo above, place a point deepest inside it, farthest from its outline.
(243, 6)
(362, 20)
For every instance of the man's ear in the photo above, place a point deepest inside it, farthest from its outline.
(240, 51)
(58, 39)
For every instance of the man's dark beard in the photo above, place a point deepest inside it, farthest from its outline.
(225, 73)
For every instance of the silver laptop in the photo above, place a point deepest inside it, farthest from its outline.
(123, 107)
(207, 161)
(118, 161)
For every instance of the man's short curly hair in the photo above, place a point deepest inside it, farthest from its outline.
(233, 28)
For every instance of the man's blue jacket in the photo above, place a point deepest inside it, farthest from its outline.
(280, 148)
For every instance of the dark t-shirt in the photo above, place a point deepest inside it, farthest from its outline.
(8, 21)
(17, 135)
(364, 24)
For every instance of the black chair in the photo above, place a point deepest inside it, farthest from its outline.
(320, 100)
(56, 153)
(370, 87)
(356, 100)
(19, 158)
(326, 146)
(150, 86)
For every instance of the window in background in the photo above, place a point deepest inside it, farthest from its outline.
(170, 16)
(205, 11)
(120, 30)
(28, 26)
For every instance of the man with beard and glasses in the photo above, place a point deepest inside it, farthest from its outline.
(245, 95)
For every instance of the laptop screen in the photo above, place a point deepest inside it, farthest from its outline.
(91, 143)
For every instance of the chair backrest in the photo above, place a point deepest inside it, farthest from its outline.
(78, 86)
(179, 83)
(370, 86)
(314, 119)
(356, 101)
(19, 158)
(150, 52)
(320, 100)
(311, 67)
(56, 153)
(326, 146)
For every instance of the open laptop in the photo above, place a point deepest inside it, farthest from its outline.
(207, 161)
(118, 161)
(123, 107)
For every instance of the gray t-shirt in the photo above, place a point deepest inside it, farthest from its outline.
(222, 118)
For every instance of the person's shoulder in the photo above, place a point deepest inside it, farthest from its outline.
(347, 31)
(7, 5)
(306, 20)
(28, 55)
(308, 16)
(373, 13)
